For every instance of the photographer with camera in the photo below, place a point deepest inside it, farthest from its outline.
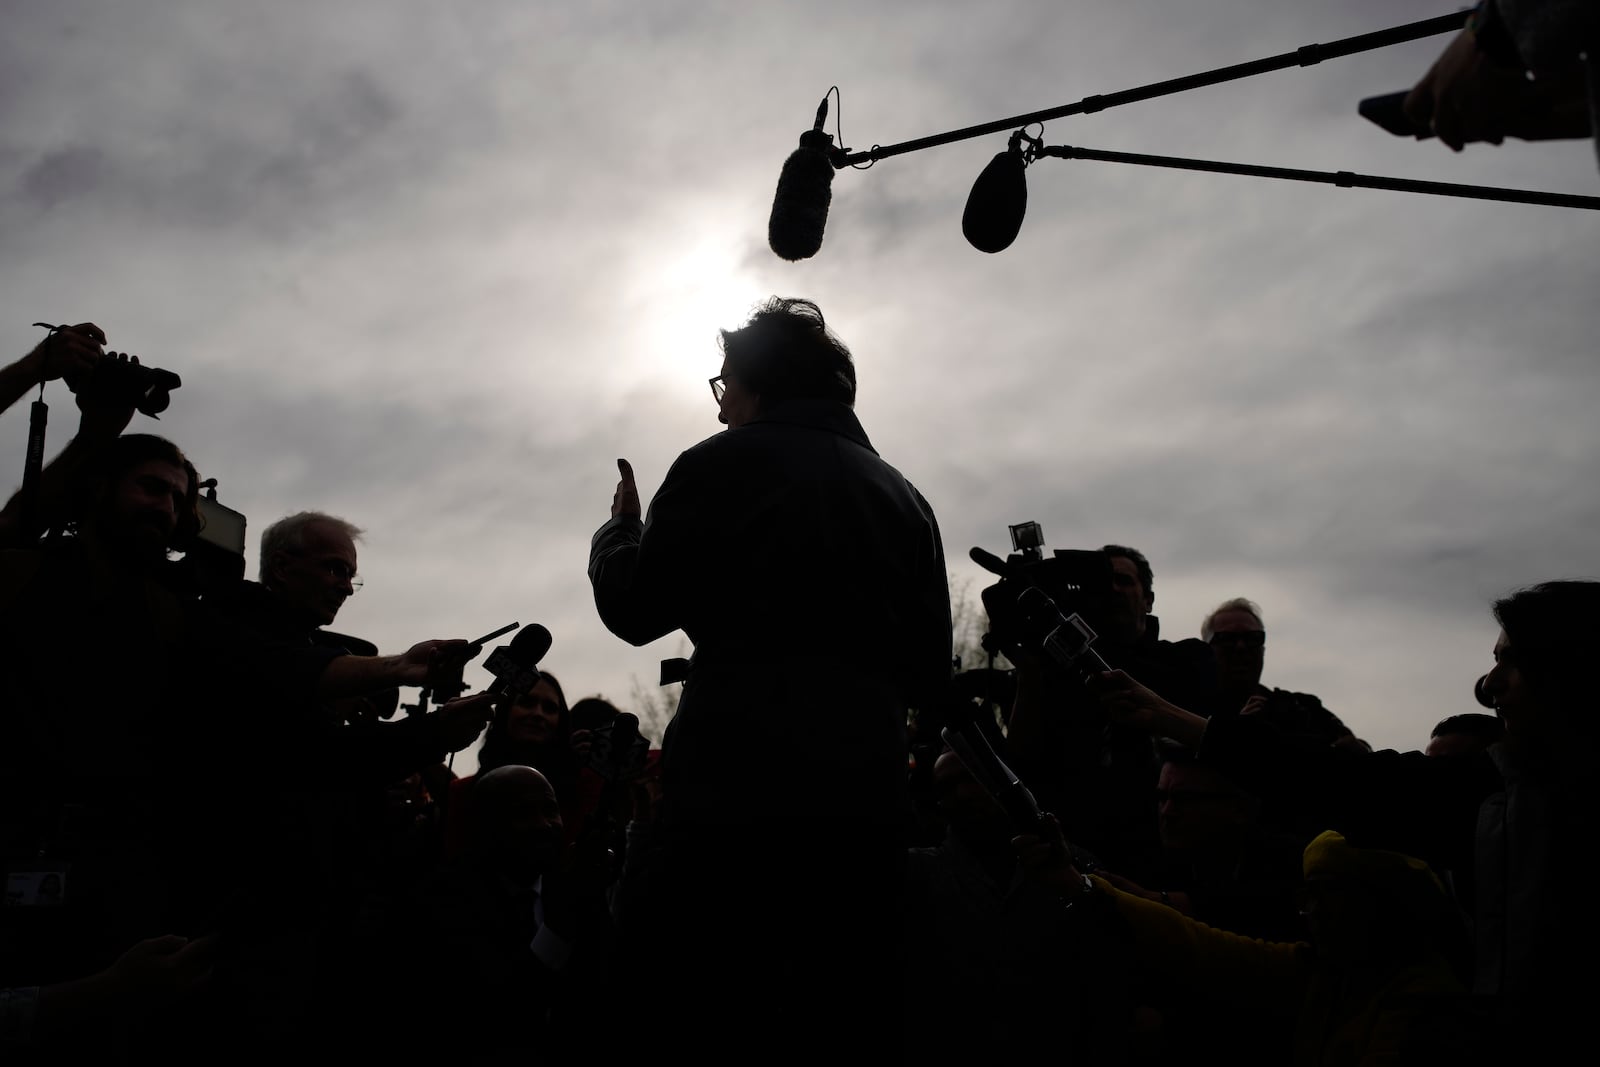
(92, 663)
(108, 387)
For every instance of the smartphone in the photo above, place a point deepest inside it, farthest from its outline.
(1389, 112)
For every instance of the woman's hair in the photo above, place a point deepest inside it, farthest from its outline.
(499, 749)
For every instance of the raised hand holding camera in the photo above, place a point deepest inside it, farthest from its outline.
(69, 352)
(117, 379)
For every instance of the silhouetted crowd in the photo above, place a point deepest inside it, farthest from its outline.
(226, 837)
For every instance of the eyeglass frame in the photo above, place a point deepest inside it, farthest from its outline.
(719, 387)
(335, 569)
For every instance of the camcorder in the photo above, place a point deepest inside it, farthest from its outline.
(147, 389)
(215, 560)
(1057, 604)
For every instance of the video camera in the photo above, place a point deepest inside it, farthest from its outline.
(1057, 604)
(215, 560)
(148, 389)
(119, 376)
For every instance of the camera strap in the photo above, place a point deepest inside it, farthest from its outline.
(33, 464)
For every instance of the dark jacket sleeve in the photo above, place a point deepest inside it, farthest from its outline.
(932, 650)
(644, 574)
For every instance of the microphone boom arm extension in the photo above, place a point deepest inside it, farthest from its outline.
(1343, 178)
(1304, 56)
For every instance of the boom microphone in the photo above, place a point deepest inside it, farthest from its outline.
(805, 188)
(997, 203)
(516, 666)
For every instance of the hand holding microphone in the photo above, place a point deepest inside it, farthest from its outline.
(461, 720)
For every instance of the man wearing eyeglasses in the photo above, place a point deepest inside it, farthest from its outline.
(810, 576)
(1238, 640)
(309, 561)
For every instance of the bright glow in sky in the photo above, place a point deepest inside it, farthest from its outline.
(435, 267)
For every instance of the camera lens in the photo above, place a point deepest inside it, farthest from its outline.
(154, 401)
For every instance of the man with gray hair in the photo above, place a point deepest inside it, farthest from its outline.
(309, 561)
(1238, 640)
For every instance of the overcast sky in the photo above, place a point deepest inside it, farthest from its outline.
(433, 267)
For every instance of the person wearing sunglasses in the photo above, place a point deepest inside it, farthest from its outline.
(1238, 640)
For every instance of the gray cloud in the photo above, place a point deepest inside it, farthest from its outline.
(435, 268)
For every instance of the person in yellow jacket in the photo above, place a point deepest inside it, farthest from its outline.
(1376, 983)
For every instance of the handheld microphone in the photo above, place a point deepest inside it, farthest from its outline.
(516, 666)
(805, 188)
(997, 203)
(452, 681)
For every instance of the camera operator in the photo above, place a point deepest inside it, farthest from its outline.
(1181, 670)
(74, 354)
(92, 658)
(1098, 774)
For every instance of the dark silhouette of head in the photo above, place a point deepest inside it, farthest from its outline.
(1467, 732)
(1133, 589)
(786, 351)
(1542, 683)
(1202, 812)
(1237, 636)
(140, 500)
(514, 823)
